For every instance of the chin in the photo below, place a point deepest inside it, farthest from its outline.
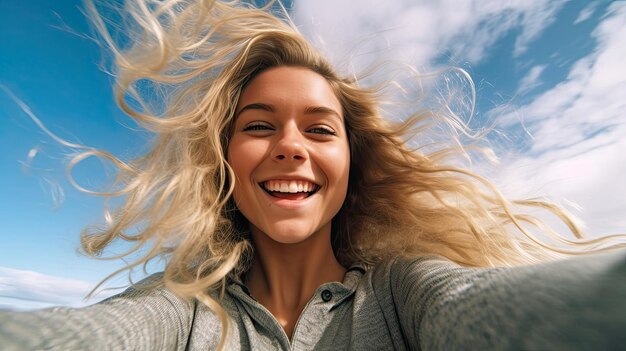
(289, 237)
(288, 234)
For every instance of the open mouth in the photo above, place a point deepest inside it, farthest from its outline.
(290, 190)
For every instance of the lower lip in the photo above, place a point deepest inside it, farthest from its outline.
(287, 203)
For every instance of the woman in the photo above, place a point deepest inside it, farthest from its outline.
(293, 216)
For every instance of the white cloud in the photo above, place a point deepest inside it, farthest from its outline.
(578, 150)
(589, 100)
(22, 289)
(534, 19)
(531, 80)
(419, 32)
(586, 12)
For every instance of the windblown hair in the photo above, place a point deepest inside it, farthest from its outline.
(179, 72)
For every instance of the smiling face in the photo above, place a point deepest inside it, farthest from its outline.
(290, 154)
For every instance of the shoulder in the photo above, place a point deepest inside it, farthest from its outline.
(148, 312)
(150, 297)
(417, 282)
(410, 272)
(152, 290)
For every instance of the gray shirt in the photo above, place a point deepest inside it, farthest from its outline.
(422, 303)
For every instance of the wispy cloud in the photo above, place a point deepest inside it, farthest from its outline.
(586, 12)
(22, 289)
(578, 129)
(531, 80)
(534, 19)
(420, 32)
(590, 99)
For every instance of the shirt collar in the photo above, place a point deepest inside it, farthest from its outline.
(341, 290)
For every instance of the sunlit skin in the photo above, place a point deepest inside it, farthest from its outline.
(290, 126)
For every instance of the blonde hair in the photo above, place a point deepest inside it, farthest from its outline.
(197, 56)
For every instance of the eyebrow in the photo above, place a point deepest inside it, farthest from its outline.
(310, 110)
(257, 106)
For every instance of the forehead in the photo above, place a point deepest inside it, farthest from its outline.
(290, 87)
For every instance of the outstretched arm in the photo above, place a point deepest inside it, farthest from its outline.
(133, 320)
(578, 303)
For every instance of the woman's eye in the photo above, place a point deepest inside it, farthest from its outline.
(322, 130)
(257, 126)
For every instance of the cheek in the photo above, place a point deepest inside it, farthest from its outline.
(336, 163)
(240, 163)
(244, 156)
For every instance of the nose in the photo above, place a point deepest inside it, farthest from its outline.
(290, 146)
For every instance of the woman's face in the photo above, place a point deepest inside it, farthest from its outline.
(290, 154)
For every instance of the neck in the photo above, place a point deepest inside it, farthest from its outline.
(283, 277)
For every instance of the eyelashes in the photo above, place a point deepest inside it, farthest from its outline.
(257, 126)
(262, 126)
(322, 130)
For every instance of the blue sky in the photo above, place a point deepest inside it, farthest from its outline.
(551, 74)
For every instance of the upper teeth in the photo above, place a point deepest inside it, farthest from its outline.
(289, 186)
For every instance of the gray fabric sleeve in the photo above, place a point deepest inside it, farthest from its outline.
(134, 320)
(573, 304)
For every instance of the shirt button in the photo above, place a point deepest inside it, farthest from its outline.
(327, 295)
